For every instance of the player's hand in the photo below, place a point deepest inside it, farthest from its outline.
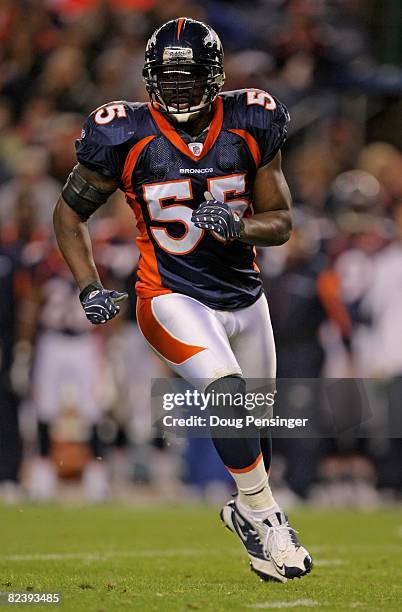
(218, 217)
(99, 304)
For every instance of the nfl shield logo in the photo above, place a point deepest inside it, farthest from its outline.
(195, 148)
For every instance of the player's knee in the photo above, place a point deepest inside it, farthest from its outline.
(226, 396)
(227, 384)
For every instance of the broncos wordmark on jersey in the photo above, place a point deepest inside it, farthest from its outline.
(164, 174)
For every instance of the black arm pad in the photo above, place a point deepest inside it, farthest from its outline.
(83, 197)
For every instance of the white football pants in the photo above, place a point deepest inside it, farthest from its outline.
(201, 344)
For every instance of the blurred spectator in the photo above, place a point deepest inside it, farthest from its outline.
(383, 161)
(65, 81)
(382, 305)
(31, 179)
(10, 141)
(296, 309)
(312, 168)
(10, 442)
(62, 131)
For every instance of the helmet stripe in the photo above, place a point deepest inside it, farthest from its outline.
(180, 23)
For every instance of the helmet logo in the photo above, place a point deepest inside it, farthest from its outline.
(175, 53)
(196, 148)
(212, 39)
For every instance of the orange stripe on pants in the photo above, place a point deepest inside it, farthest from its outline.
(170, 347)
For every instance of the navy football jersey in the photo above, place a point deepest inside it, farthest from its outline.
(164, 177)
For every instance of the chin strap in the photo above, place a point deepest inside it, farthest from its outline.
(184, 117)
(179, 117)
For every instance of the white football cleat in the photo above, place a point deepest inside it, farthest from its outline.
(281, 546)
(244, 528)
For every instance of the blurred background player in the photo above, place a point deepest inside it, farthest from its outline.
(66, 376)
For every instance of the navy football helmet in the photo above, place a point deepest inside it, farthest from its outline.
(183, 69)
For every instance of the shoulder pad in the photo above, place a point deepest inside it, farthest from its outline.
(104, 131)
(260, 114)
(113, 123)
(256, 107)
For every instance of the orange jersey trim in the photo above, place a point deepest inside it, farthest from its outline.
(149, 282)
(170, 133)
(246, 469)
(131, 161)
(251, 143)
(162, 341)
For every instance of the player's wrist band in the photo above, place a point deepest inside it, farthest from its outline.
(95, 286)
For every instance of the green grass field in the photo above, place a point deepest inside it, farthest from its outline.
(114, 558)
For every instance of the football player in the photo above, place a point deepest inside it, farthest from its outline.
(67, 369)
(202, 172)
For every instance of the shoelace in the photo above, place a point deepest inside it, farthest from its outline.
(278, 540)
